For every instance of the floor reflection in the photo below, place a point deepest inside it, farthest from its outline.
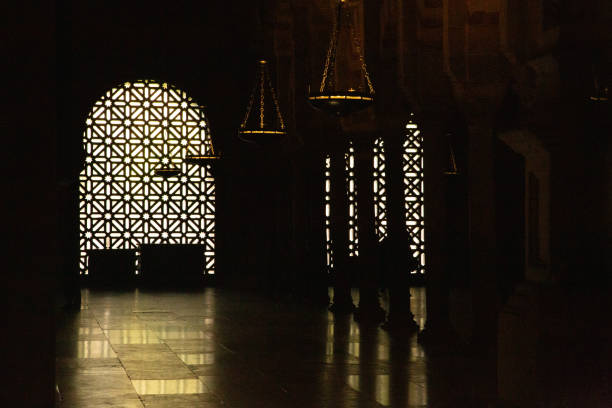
(131, 336)
(94, 349)
(244, 350)
(198, 358)
(182, 386)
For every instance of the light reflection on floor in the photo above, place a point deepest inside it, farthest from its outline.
(94, 349)
(181, 386)
(232, 348)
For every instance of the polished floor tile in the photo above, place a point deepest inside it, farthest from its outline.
(171, 386)
(131, 336)
(218, 348)
(181, 401)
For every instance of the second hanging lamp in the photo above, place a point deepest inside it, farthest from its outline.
(263, 123)
(336, 94)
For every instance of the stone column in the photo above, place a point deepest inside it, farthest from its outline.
(438, 329)
(342, 300)
(608, 206)
(398, 240)
(369, 310)
(482, 236)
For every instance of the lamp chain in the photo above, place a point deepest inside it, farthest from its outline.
(250, 104)
(261, 95)
(330, 59)
(364, 70)
(276, 106)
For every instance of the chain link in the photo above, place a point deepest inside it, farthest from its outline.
(330, 59)
(329, 71)
(364, 70)
(261, 94)
(250, 104)
(260, 78)
(276, 106)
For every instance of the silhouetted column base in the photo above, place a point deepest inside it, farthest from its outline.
(401, 323)
(343, 303)
(319, 300)
(369, 310)
(439, 336)
(370, 314)
(400, 318)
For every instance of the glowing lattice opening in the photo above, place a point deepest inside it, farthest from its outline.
(351, 188)
(131, 131)
(380, 189)
(329, 255)
(414, 190)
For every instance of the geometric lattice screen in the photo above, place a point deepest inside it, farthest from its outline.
(131, 131)
(379, 188)
(329, 254)
(414, 189)
(351, 190)
(412, 169)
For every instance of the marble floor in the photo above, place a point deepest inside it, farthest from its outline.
(216, 348)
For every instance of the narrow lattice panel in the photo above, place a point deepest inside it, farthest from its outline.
(329, 255)
(133, 130)
(380, 189)
(351, 188)
(412, 165)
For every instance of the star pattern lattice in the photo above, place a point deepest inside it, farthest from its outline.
(132, 130)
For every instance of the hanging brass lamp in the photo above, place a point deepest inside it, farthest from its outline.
(209, 155)
(600, 92)
(334, 96)
(451, 170)
(166, 169)
(262, 125)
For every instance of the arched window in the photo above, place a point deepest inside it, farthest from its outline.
(131, 131)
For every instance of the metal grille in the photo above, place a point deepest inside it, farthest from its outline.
(380, 190)
(351, 188)
(132, 130)
(329, 255)
(412, 165)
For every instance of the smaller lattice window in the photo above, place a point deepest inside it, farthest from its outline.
(351, 188)
(414, 189)
(329, 256)
(380, 189)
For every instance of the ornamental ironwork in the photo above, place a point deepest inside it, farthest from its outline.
(134, 129)
(414, 190)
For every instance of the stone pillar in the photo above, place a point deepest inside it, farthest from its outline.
(369, 310)
(438, 329)
(398, 240)
(482, 236)
(608, 206)
(342, 300)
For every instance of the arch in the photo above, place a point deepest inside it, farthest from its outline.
(131, 130)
